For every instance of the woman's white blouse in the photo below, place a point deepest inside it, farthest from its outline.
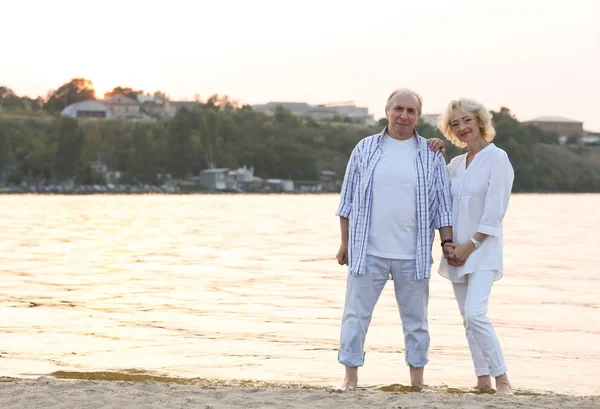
(480, 195)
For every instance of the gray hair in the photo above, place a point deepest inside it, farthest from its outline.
(404, 91)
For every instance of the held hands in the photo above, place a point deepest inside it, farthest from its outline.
(436, 145)
(342, 254)
(457, 254)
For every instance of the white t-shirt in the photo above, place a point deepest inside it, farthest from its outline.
(393, 227)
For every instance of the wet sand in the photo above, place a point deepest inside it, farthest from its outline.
(50, 392)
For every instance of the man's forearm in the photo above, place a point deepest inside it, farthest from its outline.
(446, 233)
(344, 228)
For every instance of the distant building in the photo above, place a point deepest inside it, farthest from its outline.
(308, 186)
(156, 107)
(590, 138)
(214, 179)
(5, 171)
(560, 125)
(280, 185)
(343, 110)
(108, 176)
(296, 108)
(327, 179)
(122, 106)
(241, 179)
(87, 109)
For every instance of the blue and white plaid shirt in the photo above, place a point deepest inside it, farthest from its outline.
(434, 202)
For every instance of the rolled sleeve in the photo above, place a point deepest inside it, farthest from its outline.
(347, 192)
(489, 230)
(497, 197)
(344, 210)
(443, 216)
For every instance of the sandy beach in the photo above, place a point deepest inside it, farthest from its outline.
(52, 393)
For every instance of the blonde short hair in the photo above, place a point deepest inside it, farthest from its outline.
(404, 91)
(470, 106)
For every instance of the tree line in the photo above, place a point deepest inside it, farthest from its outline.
(219, 133)
(75, 90)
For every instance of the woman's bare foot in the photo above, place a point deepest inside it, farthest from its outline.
(484, 383)
(351, 378)
(503, 385)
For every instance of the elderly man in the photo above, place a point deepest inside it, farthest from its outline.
(395, 192)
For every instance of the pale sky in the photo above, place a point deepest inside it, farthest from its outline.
(536, 57)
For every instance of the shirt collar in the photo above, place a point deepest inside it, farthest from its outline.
(385, 131)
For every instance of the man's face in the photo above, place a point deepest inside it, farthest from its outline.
(403, 114)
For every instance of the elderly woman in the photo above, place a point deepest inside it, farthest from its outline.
(481, 182)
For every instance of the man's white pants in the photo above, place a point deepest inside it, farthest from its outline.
(473, 299)
(362, 293)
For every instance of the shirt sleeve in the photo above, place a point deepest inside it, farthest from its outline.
(497, 196)
(443, 217)
(347, 192)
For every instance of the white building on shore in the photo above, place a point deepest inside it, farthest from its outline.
(87, 109)
(346, 110)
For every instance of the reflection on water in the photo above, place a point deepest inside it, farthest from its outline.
(246, 287)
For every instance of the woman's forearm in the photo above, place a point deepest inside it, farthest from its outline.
(480, 237)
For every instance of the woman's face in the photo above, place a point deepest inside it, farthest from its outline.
(465, 126)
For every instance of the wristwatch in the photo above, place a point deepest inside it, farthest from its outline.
(476, 243)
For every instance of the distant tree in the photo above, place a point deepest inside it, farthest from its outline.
(33, 104)
(41, 157)
(76, 90)
(125, 91)
(180, 144)
(539, 135)
(161, 95)
(284, 116)
(4, 92)
(211, 103)
(69, 140)
(15, 177)
(217, 102)
(142, 163)
(573, 139)
(9, 100)
(227, 103)
(85, 175)
(382, 122)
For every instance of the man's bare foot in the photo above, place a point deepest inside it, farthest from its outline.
(416, 378)
(351, 379)
(503, 385)
(484, 383)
